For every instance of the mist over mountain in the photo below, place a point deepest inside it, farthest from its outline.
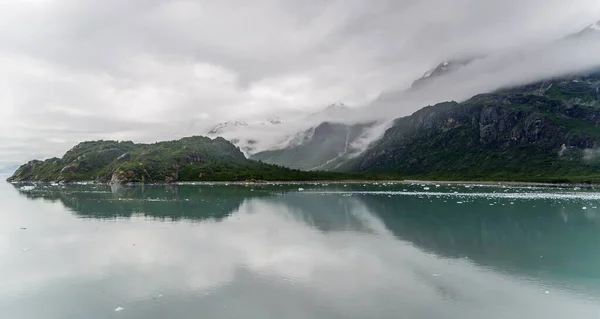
(544, 131)
(324, 147)
(163, 70)
(452, 80)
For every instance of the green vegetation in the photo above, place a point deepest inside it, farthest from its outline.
(543, 132)
(188, 159)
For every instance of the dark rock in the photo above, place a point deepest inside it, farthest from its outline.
(520, 130)
(69, 168)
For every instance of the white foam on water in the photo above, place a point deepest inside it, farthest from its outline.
(578, 195)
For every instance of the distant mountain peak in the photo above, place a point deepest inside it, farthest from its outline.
(441, 69)
(337, 105)
(274, 120)
(595, 27)
(221, 127)
(591, 29)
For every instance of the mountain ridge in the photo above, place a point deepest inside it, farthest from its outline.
(544, 131)
(195, 158)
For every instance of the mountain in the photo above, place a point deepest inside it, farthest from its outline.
(194, 158)
(315, 141)
(545, 131)
(245, 134)
(442, 69)
(591, 29)
(226, 126)
(324, 142)
(323, 147)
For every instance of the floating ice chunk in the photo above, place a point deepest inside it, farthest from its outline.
(119, 309)
(547, 292)
(436, 275)
(426, 188)
(459, 202)
(583, 207)
(27, 188)
(300, 189)
(25, 249)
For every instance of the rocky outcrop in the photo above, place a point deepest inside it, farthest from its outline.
(522, 129)
(70, 168)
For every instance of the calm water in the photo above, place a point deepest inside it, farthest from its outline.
(277, 251)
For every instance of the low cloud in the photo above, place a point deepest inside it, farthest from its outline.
(142, 70)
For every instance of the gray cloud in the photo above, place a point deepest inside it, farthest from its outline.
(147, 70)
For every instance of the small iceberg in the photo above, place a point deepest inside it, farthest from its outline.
(119, 309)
(27, 188)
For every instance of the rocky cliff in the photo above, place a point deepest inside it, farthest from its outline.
(543, 131)
(324, 147)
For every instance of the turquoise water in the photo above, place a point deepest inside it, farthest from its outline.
(299, 251)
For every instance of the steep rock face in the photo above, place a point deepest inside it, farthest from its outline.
(522, 131)
(323, 147)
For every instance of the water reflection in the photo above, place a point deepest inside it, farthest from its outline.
(536, 236)
(157, 201)
(268, 252)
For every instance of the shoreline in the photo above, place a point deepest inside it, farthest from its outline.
(320, 182)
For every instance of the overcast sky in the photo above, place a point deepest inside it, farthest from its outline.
(146, 70)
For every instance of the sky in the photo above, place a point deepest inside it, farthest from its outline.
(148, 70)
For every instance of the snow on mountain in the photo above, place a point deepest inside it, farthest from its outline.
(454, 79)
(226, 126)
(441, 69)
(246, 135)
(595, 27)
(592, 29)
(253, 136)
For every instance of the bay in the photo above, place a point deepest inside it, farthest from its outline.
(356, 250)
